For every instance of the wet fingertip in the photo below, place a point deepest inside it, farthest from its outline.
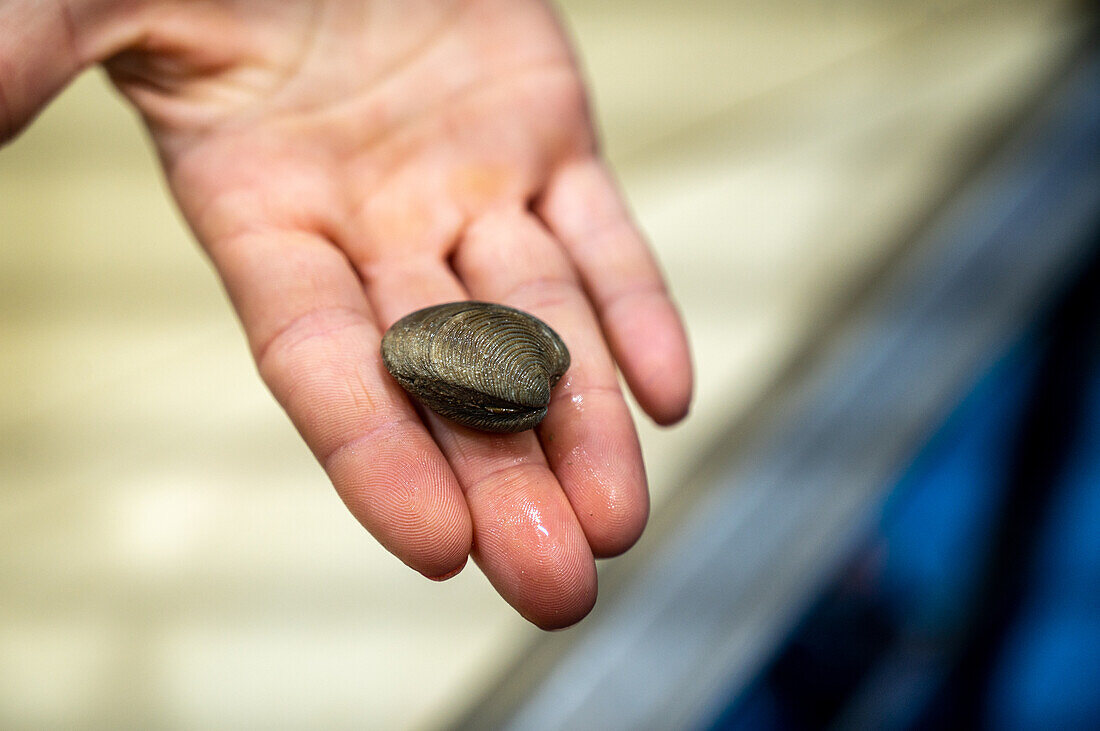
(565, 618)
(623, 538)
(445, 554)
(554, 590)
(440, 564)
(613, 508)
(448, 574)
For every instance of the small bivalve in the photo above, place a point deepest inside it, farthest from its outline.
(482, 365)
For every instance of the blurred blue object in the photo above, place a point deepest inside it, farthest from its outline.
(1047, 672)
(976, 603)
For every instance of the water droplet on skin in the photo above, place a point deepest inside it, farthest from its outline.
(533, 514)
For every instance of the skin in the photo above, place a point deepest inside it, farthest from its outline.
(346, 162)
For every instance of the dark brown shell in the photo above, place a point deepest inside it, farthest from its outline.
(481, 365)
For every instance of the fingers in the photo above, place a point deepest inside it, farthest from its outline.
(583, 209)
(526, 537)
(588, 435)
(318, 350)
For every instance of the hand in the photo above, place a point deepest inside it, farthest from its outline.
(346, 162)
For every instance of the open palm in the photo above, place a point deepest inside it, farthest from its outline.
(347, 162)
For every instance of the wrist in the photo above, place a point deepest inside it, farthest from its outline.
(44, 45)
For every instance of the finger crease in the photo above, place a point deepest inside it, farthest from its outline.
(630, 295)
(593, 237)
(399, 425)
(543, 292)
(500, 471)
(313, 324)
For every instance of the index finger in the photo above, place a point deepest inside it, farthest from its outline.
(317, 348)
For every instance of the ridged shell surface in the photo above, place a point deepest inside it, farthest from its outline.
(482, 365)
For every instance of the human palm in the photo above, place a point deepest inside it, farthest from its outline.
(346, 162)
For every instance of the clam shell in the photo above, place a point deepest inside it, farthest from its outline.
(482, 365)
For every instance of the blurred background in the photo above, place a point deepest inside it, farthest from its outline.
(171, 556)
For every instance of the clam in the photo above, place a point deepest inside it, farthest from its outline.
(481, 365)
